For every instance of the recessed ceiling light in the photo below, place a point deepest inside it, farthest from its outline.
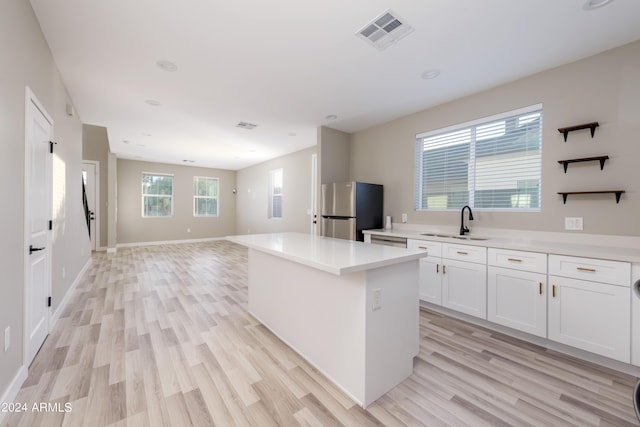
(331, 117)
(292, 134)
(126, 141)
(153, 102)
(595, 4)
(189, 161)
(430, 74)
(167, 65)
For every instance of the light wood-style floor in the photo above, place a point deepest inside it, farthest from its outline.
(160, 336)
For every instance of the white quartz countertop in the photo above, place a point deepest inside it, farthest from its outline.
(598, 251)
(336, 256)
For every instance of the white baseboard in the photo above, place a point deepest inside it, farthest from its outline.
(11, 392)
(167, 242)
(67, 295)
(111, 250)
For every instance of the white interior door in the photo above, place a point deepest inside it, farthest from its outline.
(38, 134)
(90, 179)
(314, 194)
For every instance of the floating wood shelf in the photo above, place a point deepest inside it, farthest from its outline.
(601, 159)
(618, 193)
(592, 126)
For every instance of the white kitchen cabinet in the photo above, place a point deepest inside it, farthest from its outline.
(593, 315)
(517, 290)
(430, 273)
(517, 299)
(464, 279)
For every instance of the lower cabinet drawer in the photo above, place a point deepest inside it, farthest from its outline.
(432, 248)
(521, 260)
(594, 270)
(465, 253)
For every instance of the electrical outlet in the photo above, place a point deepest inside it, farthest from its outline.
(188, 230)
(64, 272)
(7, 338)
(377, 299)
(404, 218)
(573, 223)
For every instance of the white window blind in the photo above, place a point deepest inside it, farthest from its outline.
(492, 163)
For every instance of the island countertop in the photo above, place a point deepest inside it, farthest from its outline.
(336, 256)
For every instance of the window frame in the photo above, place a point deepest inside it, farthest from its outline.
(144, 195)
(418, 197)
(273, 195)
(216, 197)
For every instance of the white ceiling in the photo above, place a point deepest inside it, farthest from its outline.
(286, 65)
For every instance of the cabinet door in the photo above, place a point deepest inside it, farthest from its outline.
(464, 287)
(592, 316)
(431, 280)
(517, 299)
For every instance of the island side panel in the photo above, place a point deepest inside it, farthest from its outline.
(318, 314)
(393, 329)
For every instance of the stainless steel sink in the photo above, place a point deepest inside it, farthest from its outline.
(469, 238)
(451, 236)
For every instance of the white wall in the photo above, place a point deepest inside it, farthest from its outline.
(603, 88)
(253, 195)
(133, 228)
(27, 61)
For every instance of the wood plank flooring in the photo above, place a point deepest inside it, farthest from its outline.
(160, 336)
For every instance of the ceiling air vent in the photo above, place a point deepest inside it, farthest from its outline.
(246, 125)
(385, 30)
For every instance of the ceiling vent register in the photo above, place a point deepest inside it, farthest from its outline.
(246, 125)
(385, 30)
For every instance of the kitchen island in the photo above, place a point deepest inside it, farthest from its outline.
(347, 307)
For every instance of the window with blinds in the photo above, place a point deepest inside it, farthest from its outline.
(491, 163)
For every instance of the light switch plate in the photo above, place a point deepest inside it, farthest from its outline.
(7, 338)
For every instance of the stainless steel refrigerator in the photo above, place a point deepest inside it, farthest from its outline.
(350, 207)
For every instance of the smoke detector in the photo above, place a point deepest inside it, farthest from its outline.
(385, 30)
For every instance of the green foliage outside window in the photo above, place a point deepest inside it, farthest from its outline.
(157, 195)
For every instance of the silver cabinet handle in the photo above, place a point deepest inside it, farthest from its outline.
(592, 270)
(514, 260)
(462, 253)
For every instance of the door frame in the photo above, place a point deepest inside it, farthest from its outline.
(96, 195)
(30, 98)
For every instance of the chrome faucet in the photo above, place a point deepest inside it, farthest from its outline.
(464, 229)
